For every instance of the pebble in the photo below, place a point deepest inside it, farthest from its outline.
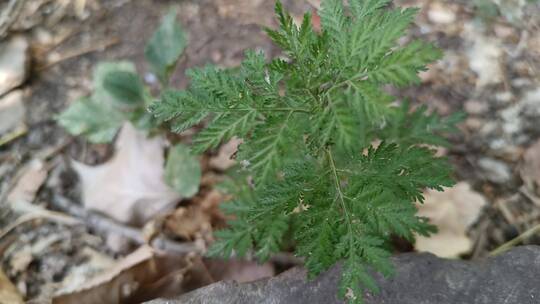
(13, 63)
(474, 124)
(476, 107)
(441, 14)
(11, 111)
(495, 171)
(504, 97)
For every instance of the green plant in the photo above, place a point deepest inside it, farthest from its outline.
(310, 168)
(119, 95)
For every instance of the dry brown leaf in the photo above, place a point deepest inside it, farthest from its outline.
(8, 292)
(189, 223)
(224, 159)
(530, 169)
(140, 276)
(452, 211)
(130, 187)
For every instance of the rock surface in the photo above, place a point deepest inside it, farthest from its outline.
(510, 278)
(13, 63)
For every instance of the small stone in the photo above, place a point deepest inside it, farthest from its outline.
(474, 123)
(495, 171)
(504, 97)
(476, 107)
(11, 111)
(441, 14)
(13, 63)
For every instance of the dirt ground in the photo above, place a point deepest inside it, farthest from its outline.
(488, 153)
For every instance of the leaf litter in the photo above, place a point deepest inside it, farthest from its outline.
(130, 187)
(453, 212)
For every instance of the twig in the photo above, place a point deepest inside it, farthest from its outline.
(507, 214)
(76, 53)
(9, 15)
(535, 200)
(520, 238)
(13, 135)
(104, 225)
(42, 214)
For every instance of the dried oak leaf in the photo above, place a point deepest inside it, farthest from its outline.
(452, 211)
(130, 187)
(225, 157)
(141, 276)
(189, 223)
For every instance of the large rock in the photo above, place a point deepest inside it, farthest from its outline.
(13, 63)
(511, 278)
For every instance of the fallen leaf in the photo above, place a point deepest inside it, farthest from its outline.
(141, 276)
(225, 157)
(130, 187)
(452, 211)
(189, 223)
(530, 169)
(8, 292)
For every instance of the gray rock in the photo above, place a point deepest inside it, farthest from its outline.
(495, 171)
(11, 111)
(510, 278)
(13, 63)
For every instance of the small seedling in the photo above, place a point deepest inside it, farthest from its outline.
(120, 96)
(328, 163)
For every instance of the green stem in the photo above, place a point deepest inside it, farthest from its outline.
(520, 238)
(341, 197)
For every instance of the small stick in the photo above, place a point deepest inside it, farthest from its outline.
(41, 214)
(523, 189)
(105, 225)
(520, 238)
(20, 131)
(76, 53)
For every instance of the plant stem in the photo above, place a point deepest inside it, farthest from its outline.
(340, 195)
(513, 242)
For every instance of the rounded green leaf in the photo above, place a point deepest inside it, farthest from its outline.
(126, 88)
(183, 171)
(166, 46)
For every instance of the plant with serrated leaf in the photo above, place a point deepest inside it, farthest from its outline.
(120, 96)
(308, 122)
(311, 171)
